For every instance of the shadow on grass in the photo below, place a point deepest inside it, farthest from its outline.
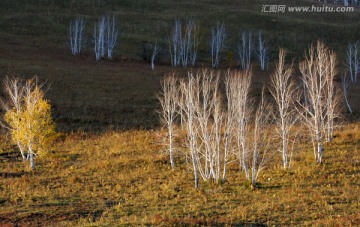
(199, 221)
(11, 175)
(10, 156)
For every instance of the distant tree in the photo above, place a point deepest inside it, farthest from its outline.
(77, 35)
(183, 43)
(105, 37)
(194, 40)
(31, 125)
(262, 52)
(99, 38)
(154, 53)
(353, 61)
(174, 43)
(111, 35)
(217, 44)
(245, 50)
(345, 84)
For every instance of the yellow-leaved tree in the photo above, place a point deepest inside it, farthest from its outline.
(30, 123)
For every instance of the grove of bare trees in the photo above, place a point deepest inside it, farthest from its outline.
(105, 36)
(183, 43)
(218, 127)
(225, 122)
(77, 35)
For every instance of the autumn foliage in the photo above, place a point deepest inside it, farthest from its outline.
(30, 124)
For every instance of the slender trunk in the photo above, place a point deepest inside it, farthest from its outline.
(218, 161)
(305, 98)
(226, 150)
(285, 156)
(243, 151)
(319, 147)
(320, 152)
(152, 63)
(253, 174)
(196, 174)
(347, 103)
(32, 161)
(253, 168)
(224, 174)
(171, 147)
(244, 164)
(21, 151)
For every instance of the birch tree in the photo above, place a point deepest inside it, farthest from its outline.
(245, 49)
(262, 52)
(174, 43)
(111, 35)
(190, 43)
(345, 84)
(205, 118)
(105, 37)
(14, 89)
(32, 125)
(283, 90)
(188, 89)
(238, 89)
(259, 144)
(317, 70)
(168, 100)
(183, 43)
(77, 35)
(229, 120)
(352, 61)
(332, 95)
(210, 114)
(155, 52)
(194, 40)
(217, 44)
(99, 38)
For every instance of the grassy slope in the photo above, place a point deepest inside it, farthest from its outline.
(121, 177)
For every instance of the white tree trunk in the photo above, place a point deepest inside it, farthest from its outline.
(217, 44)
(21, 151)
(76, 35)
(345, 83)
(245, 49)
(31, 157)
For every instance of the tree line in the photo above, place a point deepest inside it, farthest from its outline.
(182, 43)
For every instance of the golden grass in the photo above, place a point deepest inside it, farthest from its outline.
(124, 178)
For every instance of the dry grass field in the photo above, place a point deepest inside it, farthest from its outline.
(109, 167)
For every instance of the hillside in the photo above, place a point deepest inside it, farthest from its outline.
(109, 166)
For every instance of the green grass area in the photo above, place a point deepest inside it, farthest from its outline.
(109, 168)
